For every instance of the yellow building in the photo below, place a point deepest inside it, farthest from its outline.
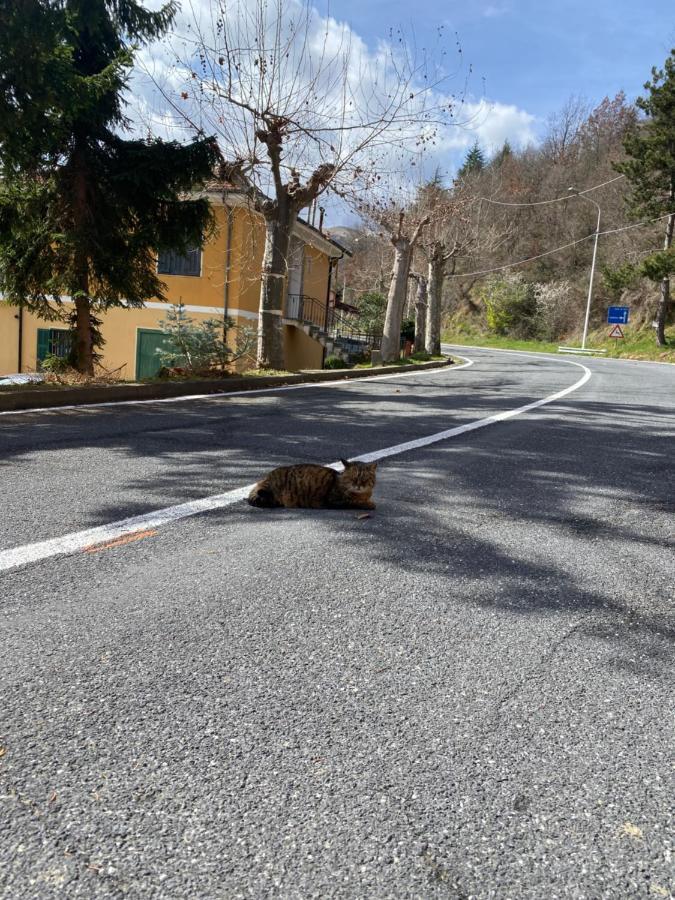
(220, 279)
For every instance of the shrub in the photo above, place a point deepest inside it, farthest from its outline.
(55, 364)
(617, 279)
(554, 309)
(201, 346)
(334, 362)
(510, 305)
(372, 308)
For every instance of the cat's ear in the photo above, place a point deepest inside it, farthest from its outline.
(345, 463)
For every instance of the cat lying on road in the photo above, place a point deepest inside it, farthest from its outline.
(317, 487)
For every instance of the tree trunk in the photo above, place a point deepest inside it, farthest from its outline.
(398, 288)
(420, 312)
(84, 344)
(278, 227)
(664, 302)
(84, 339)
(436, 275)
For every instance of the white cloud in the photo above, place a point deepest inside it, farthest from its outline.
(493, 122)
(367, 85)
(493, 11)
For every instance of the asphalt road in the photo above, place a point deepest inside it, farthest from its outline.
(468, 695)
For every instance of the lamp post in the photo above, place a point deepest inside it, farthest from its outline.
(595, 251)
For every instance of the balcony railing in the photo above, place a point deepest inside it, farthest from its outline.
(308, 310)
(331, 322)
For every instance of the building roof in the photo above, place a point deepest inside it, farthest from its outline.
(230, 180)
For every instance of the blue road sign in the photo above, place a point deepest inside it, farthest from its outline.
(617, 315)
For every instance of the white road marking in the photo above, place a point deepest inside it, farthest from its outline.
(219, 396)
(540, 354)
(71, 543)
(471, 426)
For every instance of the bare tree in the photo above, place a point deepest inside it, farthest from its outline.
(562, 137)
(449, 234)
(404, 238)
(299, 108)
(420, 306)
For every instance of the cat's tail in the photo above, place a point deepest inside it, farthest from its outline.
(262, 497)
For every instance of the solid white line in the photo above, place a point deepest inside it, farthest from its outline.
(71, 543)
(271, 390)
(540, 354)
(479, 423)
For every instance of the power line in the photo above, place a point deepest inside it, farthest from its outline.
(556, 200)
(521, 262)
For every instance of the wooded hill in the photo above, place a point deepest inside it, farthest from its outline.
(496, 212)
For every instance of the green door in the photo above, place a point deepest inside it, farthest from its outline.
(148, 362)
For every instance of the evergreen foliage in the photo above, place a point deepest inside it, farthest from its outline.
(83, 210)
(659, 266)
(372, 308)
(201, 346)
(619, 278)
(650, 170)
(502, 155)
(473, 163)
(650, 146)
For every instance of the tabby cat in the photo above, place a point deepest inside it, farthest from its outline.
(317, 487)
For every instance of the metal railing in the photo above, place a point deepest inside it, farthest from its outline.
(343, 329)
(307, 310)
(338, 327)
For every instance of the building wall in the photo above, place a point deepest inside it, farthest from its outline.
(302, 352)
(248, 244)
(208, 293)
(209, 289)
(9, 339)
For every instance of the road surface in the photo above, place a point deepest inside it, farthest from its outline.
(469, 694)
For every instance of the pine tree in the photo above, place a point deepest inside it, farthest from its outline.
(502, 155)
(83, 210)
(473, 163)
(650, 170)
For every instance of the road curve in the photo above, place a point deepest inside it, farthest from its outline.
(468, 694)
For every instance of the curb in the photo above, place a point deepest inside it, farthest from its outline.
(37, 399)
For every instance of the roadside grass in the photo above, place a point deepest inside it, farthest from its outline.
(636, 345)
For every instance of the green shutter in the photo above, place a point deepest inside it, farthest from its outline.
(42, 344)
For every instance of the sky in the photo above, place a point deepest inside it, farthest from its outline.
(520, 60)
(529, 56)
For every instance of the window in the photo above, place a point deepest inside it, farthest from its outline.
(53, 342)
(170, 262)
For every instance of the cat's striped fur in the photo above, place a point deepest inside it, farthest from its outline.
(317, 487)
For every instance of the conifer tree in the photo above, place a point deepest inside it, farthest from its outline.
(502, 155)
(83, 210)
(474, 162)
(650, 170)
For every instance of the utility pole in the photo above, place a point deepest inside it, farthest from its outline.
(583, 349)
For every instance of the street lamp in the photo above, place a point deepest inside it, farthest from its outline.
(576, 193)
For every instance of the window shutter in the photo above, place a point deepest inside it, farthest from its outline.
(171, 263)
(42, 344)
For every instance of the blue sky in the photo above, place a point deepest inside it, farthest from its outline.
(528, 57)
